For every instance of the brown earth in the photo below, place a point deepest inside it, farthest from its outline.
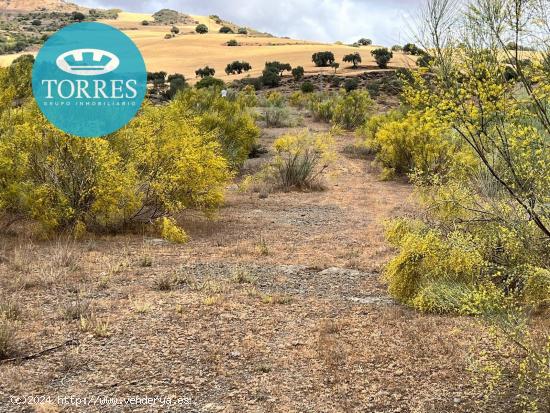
(275, 306)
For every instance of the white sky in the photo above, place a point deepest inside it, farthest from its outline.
(385, 22)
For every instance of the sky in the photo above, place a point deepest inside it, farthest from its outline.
(386, 22)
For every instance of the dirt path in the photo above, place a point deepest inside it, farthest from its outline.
(276, 306)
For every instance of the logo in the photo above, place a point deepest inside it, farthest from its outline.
(89, 79)
(87, 62)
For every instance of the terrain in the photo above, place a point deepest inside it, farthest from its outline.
(188, 51)
(275, 306)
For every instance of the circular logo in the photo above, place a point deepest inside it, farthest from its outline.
(89, 79)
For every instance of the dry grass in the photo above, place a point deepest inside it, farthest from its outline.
(189, 51)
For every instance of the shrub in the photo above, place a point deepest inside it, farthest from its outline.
(278, 117)
(278, 67)
(321, 106)
(177, 83)
(301, 159)
(205, 71)
(271, 76)
(411, 48)
(175, 30)
(416, 142)
(351, 83)
(170, 231)
(237, 67)
(382, 57)
(168, 36)
(353, 58)
(78, 16)
(210, 82)
(8, 331)
(129, 177)
(427, 256)
(323, 59)
(242, 30)
(201, 29)
(232, 42)
(298, 73)
(307, 87)
(145, 23)
(335, 66)
(424, 60)
(227, 120)
(226, 30)
(351, 109)
(396, 48)
(364, 42)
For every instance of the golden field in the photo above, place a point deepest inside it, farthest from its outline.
(188, 51)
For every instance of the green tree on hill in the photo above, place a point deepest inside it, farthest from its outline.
(323, 59)
(382, 57)
(353, 58)
(201, 29)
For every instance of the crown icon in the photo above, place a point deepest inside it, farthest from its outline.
(87, 62)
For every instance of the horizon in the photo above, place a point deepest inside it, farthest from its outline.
(350, 20)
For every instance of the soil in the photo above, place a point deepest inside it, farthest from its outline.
(276, 305)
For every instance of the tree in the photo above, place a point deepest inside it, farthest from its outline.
(364, 42)
(78, 16)
(145, 23)
(226, 30)
(156, 78)
(36, 22)
(237, 67)
(323, 59)
(508, 133)
(335, 66)
(353, 58)
(201, 29)
(307, 87)
(205, 71)
(242, 30)
(210, 82)
(232, 42)
(411, 48)
(175, 30)
(271, 77)
(396, 48)
(279, 67)
(298, 73)
(177, 83)
(351, 83)
(382, 57)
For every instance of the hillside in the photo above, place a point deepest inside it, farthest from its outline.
(188, 50)
(32, 5)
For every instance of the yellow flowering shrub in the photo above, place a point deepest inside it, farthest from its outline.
(170, 231)
(226, 121)
(159, 164)
(300, 160)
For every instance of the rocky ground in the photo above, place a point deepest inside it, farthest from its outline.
(275, 306)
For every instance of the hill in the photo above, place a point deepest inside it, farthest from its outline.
(33, 5)
(187, 51)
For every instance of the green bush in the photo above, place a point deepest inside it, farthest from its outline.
(298, 73)
(205, 71)
(278, 117)
(307, 87)
(226, 30)
(201, 29)
(210, 82)
(351, 109)
(351, 83)
(237, 67)
(323, 59)
(382, 57)
(232, 42)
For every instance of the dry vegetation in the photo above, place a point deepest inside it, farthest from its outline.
(189, 51)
